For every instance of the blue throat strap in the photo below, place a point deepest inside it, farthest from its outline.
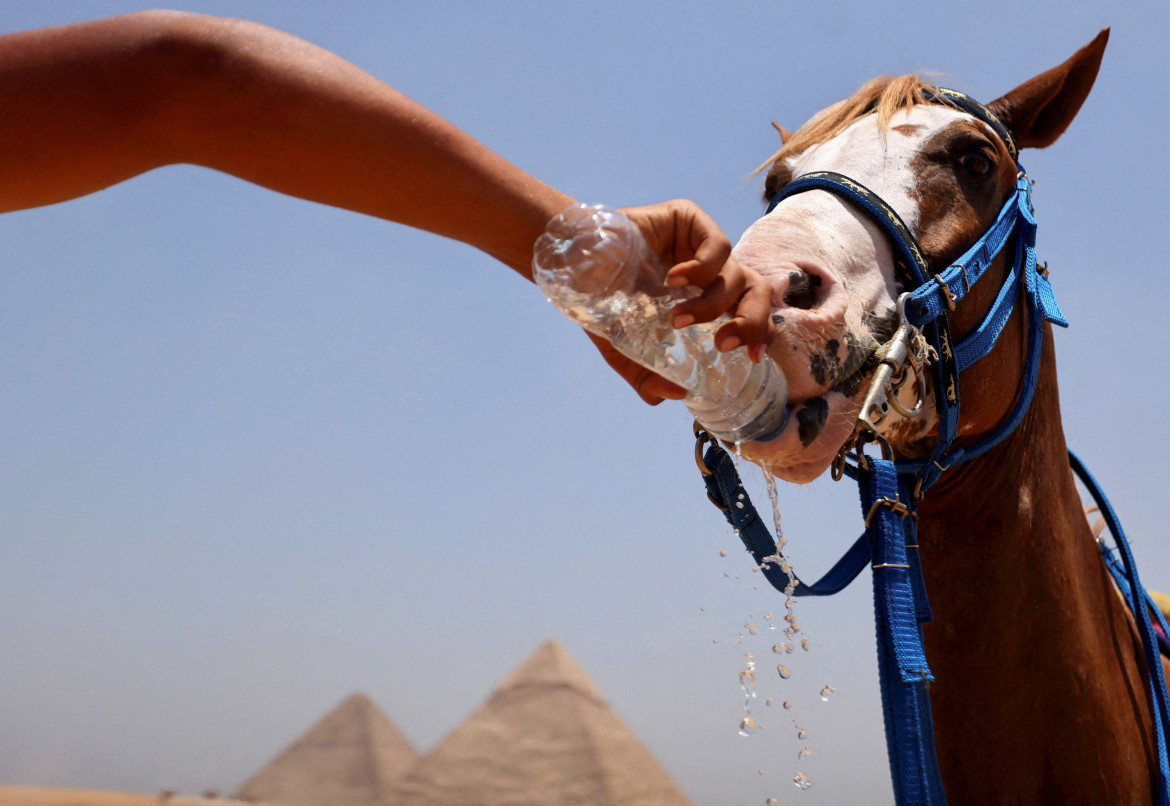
(890, 490)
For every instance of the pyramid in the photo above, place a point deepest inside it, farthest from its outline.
(546, 737)
(349, 758)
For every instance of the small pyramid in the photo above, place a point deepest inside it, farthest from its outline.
(546, 737)
(349, 758)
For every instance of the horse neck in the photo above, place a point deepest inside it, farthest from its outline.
(1038, 689)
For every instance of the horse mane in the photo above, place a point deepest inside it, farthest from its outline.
(884, 95)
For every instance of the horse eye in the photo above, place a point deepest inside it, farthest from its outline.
(977, 163)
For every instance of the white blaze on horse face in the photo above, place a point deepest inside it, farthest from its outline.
(832, 271)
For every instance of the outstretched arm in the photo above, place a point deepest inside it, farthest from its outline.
(89, 105)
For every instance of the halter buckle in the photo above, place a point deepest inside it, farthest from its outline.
(892, 504)
(948, 295)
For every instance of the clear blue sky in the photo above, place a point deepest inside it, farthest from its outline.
(259, 454)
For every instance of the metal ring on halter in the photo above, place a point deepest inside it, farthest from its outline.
(867, 435)
(701, 439)
(837, 468)
(920, 379)
(919, 375)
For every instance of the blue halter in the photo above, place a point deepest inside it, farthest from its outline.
(890, 490)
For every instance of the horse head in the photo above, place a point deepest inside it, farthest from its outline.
(836, 278)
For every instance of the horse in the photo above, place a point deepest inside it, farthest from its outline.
(1039, 692)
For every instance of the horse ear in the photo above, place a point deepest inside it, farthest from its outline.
(1038, 111)
(784, 133)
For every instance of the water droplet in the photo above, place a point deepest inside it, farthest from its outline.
(771, 800)
(801, 780)
(747, 678)
(759, 772)
(788, 703)
(748, 726)
(777, 648)
(768, 702)
(784, 673)
(726, 573)
(827, 692)
(800, 734)
(714, 640)
(749, 656)
(768, 616)
(753, 629)
(740, 496)
(804, 644)
(722, 552)
(755, 587)
(739, 504)
(804, 753)
(701, 607)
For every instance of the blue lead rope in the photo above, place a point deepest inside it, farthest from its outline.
(1140, 604)
(901, 609)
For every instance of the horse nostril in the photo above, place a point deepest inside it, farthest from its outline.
(802, 290)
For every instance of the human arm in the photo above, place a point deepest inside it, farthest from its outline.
(89, 105)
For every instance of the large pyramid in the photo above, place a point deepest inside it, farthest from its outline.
(545, 738)
(350, 758)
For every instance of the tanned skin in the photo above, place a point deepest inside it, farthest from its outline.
(90, 105)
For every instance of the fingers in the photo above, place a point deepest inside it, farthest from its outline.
(699, 254)
(652, 388)
(751, 318)
(703, 255)
(700, 247)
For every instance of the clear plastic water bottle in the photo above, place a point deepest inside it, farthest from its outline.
(594, 264)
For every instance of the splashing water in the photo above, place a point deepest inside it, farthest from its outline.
(778, 558)
(747, 682)
(801, 781)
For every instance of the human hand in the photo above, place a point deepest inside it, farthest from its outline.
(699, 254)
